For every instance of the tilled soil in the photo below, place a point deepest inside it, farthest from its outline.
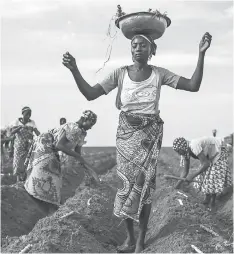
(173, 227)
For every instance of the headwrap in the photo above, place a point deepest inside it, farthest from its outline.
(89, 115)
(150, 40)
(181, 145)
(24, 109)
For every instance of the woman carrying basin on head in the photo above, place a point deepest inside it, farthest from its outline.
(140, 130)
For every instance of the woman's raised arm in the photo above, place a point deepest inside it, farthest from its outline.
(90, 92)
(193, 84)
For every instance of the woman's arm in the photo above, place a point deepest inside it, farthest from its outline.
(193, 84)
(90, 93)
(78, 149)
(15, 129)
(205, 163)
(61, 145)
(184, 172)
(36, 131)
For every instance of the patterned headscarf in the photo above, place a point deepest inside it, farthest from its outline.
(24, 109)
(89, 115)
(150, 40)
(180, 145)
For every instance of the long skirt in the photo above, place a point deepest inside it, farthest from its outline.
(216, 178)
(44, 178)
(139, 139)
(21, 148)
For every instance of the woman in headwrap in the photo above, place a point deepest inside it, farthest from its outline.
(214, 174)
(140, 130)
(44, 176)
(23, 129)
(214, 132)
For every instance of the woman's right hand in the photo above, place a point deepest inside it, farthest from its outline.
(15, 129)
(69, 61)
(92, 172)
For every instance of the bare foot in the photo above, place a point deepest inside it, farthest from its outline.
(127, 247)
(177, 186)
(139, 248)
(206, 201)
(212, 207)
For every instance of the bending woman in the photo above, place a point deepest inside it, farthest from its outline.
(23, 129)
(140, 130)
(44, 176)
(214, 174)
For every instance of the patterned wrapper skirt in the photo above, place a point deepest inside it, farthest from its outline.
(21, 148)
(44, 178)
(217, 177)
(138, 142)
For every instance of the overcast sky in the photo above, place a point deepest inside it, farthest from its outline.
(36, 33)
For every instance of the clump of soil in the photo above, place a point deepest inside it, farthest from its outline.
(92, 228)
(51, 235)
(19, 211)
(174, 227)
(8, 179)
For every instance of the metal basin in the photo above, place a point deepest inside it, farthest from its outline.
(143, 23)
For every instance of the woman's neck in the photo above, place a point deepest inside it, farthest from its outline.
(24, 121)
(140, 65)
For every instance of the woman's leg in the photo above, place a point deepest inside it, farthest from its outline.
(129, 243)
(129, 222)
(212, 202)
(130, 232)
(144, 218)
(207, 199)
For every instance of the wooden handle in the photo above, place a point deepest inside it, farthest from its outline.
(26, 249)
(177, 178)
(174, 177)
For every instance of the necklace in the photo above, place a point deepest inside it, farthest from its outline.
(137, 69)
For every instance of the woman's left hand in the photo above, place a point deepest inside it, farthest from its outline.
(205, 42)
(95, 176)
(189, 179)
(92, 173)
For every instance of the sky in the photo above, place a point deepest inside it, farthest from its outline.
(36, 33)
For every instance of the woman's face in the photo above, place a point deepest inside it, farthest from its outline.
(87, 124)
(141, 49)
(62, 121)
(27, 115)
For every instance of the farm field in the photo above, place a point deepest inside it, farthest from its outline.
(173, 227)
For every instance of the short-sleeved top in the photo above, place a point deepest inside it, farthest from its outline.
(73, 132)
(140, 97)
(210, 146)
(24, 134)
(16, 123)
